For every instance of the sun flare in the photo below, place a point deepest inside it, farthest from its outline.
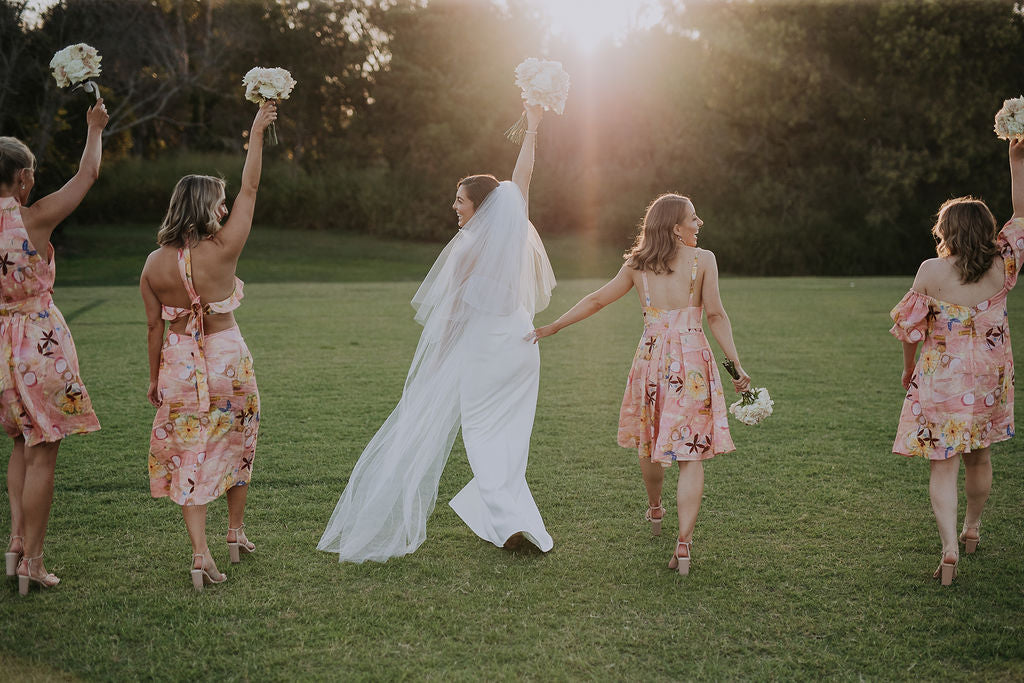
(588, 23)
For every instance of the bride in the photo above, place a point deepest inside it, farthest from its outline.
(472, 368)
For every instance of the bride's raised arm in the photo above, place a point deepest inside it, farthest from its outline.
(524, 164)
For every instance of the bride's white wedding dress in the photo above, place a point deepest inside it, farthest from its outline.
(473, 368)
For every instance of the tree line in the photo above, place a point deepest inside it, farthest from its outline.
(814, 136)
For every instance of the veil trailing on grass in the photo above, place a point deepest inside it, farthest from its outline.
(493, 266)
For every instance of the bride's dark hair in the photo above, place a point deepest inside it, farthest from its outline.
(478, 187)
(966, 230)
(655, 244)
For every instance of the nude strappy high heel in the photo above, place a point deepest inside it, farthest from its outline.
(681, 562)
(236, 549)
(655, 521)
(970, 544)
(201, 576)
(26, 580)
(946, 572)
(11, 559)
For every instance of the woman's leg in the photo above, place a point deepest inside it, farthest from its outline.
(942, 489)
(654, 478)
(978, 485)
(689, 492)
(195, 522)
(15, 486)
(236, 515)
(36, 498)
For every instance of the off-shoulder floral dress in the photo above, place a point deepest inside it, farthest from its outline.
(961, 393)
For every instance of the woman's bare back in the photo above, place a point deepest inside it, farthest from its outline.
(939, 279)
(672, 290)
(213, 277)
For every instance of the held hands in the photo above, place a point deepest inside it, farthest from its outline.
(534, 113)
(154, 394)
(97, 116)
(539, 333)
(266, 115)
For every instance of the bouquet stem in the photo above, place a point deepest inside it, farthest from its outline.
(518, 130)
(271, 138)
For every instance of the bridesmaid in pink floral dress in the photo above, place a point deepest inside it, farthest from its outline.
(673, 410)
(42, 397)
(201, 379)
(960, 389)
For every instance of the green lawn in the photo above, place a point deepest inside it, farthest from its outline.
(813, 552)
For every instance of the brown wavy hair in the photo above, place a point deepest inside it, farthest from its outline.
(14, 156)
(478, 187)
(192, 213)
(966, 230)
(655, 243)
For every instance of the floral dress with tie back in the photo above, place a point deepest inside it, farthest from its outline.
(203, 440)
(674, 408)
(961, 393)
(42, 397)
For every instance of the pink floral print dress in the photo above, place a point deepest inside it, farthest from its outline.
(204, 434)
(42, 397)
(961, 393)
(673, 408)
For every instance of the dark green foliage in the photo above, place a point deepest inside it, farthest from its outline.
(814, 136)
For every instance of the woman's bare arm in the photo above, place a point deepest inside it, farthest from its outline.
(614, 290)
(154, 332)
(718, 320)
(46, 214)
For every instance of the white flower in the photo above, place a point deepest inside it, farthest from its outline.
(262, 84)
(1010, 119)
(75, 64)
(755, 406)
(544, 83)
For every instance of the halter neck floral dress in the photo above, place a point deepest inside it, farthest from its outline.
(203, 440)
(42, 397)
(961, 393)
(673, 408)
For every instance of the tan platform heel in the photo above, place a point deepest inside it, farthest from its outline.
(201, 577)
(970, 544)
(655, 521)
(681, 562)
(236, 549)
(12, 559)
(26, 580)
(946, 572)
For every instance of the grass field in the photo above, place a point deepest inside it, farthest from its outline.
(813, 552)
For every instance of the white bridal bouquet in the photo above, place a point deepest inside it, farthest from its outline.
(1010, 119)
(75, 65)
(754, 405)
(268, 83)
(543, 82)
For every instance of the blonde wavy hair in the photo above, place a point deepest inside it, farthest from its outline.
(966, 229)
(655, 243)
(192, 213)
(14, 156)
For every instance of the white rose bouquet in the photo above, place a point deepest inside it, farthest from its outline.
(75, 65)
(1010, 119)
(544, 83)
(262, 84)
(754, 405)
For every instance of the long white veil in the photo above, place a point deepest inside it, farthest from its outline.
(494, 265)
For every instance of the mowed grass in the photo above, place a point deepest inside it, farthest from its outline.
(813, 551)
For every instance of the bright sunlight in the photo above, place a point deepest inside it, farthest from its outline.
(588, 23)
